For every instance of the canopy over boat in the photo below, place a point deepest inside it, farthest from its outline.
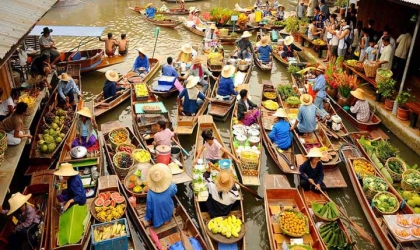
(69, 31)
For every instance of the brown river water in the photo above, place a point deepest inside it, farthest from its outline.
(116, 16)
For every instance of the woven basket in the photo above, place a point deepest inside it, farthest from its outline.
(1, 158)
(95, 214)
(3, 141)
(290, 234)
(122, 172)
(406, 186)
(395, 176)
(249, 163)
(380, 78)
(324, 218)
(370, 70)
(112, 134)
(118, 149)
(370, 193)
(141, 150)
(391, 212)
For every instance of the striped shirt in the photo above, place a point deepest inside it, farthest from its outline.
(362, 111)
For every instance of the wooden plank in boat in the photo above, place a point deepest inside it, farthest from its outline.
(181, 178)
(251, 180)
(378, 133)
(275, 181)
(332, 176)
(106, 127)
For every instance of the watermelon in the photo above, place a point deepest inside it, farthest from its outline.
(119, 200)
(115, 195)
(112, 203)
(107, 203)
(103, 196)
(108, 195)
(99, 202)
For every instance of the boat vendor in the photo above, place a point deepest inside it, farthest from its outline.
(47, 46)
(187, 54)
(244, 44)
(280, 13)
(111, 45)
(8, 106)
(141, 64)
(222, 193)
(213, 148)
(264, 50)
(197, 69)
(311, 172)
(150, 11)
(66, 88)
(248, 112)
(211, 36)
(191, 13)
(319, 88)
(196, 19)
(159, 201)
(182, 5)
(359, 106)
(306, 118)
(280, 134)
(75, 192)
(27, 221)
(85, 132)
(169, 70)
(164, 135)
(226, 90)
(193, 98)
(289, 48)
(13, 125)
(110, 89)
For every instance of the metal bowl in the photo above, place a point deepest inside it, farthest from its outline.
(243, 67)
(78, 152)
(253, 132)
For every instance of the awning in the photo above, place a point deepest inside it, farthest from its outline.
(69, 31)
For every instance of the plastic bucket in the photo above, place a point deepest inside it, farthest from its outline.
(175, 152)
(163, 154)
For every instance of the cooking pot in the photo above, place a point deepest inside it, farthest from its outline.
(243, 67)
(232, 61)
(78, 152)
(254, 140)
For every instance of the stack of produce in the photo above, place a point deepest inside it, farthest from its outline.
(333, 236)
(352, 62)
(385, 202)
(362, 167)
(285, 91)
(372, 185)
(119, 136)
(141, 90)
(30, 100)
(159, 17)
(128, 148)
(228, 227)
(141, 155)
(123, 160)
(109, 206)
(215, 58)
(270, 95)
(413, 200)
(270, 105)
(135, 184)
(318, 42)
(327, 211)
(109, 231)
(395, 167)
(411, 180)
(293, 223)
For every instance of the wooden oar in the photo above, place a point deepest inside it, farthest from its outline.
(179, 145)
(184, 239)
(359, 230)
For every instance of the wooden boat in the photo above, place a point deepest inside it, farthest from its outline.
(42, 161)
(264, 66)
(171, 11)
(166, 22)
(166, 94)
(277, 55)
(101, 106)
(275, 200)
(65, 3)
(284, 159)
(206, 122)
(379, 223)
(250, 174)
(224, 40)
(40, 188)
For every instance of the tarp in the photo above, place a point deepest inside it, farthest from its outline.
(69, 31)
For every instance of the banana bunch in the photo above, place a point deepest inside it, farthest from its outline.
(228, 227)
(141, 90)
(108, 232)
(109, 213)
(30, 100)
(270, 105)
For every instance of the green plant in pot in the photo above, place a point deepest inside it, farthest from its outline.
(293, 101)
(292, 24)
(293, 69)
(285, 91)
(386, 90)
(402, 99)
(341, 3)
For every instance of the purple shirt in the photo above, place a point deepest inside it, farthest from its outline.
(28, 217)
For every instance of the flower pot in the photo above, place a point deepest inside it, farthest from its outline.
(332, 92)
(403, 113)
(296, 37)
(389, 104)
(342, 11)
(343, 101)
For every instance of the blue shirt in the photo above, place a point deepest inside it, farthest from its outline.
(64, 88)
(190, 105)
(139, 62)
(159, 206)
(226, 87)
(369, 51)
(281, 135)
(168, 70)
(264, 53)
(75, 190)
(110, 89)
(307, 118)
(150, 12)
(85, 130)
(320, 86)
(316, 174)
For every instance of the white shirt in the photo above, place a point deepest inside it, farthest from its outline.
(4, 107)
(341, 43)
(387, 56)
(404, 42)
(382, 47)
(310, 27)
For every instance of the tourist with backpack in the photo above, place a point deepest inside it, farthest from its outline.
(343, 35)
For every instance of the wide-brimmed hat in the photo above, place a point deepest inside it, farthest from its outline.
(175, 169)
(141, 50)
(149, 4)
(314, 152)
(280, 6)
(306, 99)
(228, 71)
(224, 181)
(264, 40)
(46, 30)
(16, 201)
(197, 10)
(187, 48)
(192, 81)
(191, 9)
(320, 68)
(213, 26)
(280, 113)
(85, 111)
(359, 94)
(246, 34)
(64, 77)
(197, 60)
(288, 40)
(159, 178)
(111, 75)
(66, 169)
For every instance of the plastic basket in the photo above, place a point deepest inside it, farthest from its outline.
(370, 70)
(406, 186)
(122, 172)
(113, 133)
(380, 78)
(395, 176)
(120, 242)
(224, 166)
(390, 212)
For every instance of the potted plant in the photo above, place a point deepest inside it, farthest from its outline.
(386, 90)
(342, 5)
(292, 26)
(345, 83)
(293, 101)
(331, 81)
(403, 112)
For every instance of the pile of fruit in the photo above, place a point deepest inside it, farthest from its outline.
(415, 220)
(415, 231)
(384, 73)
(293, 223)
(128, 148)
(402, 221)
(333, 236)
(30, 100)
(135, 184)
(352, 62)
(385, 202)
(141, 90)
(374, 183)
(54, 129)
(270, 95)
(109, 206)
(141, 156)
(119, 136)
(318, 42)
(326, 211)
(413, 200)
(108, 231)
(270, 105)
(412, 179)
(123, 160)
(363, 168)
(228, 227)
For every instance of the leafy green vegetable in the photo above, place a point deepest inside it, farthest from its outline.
(384, 150)
(374, 183)
(72, 225)
(385, 202)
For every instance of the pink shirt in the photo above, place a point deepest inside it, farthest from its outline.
(213, 151)
(164, 137)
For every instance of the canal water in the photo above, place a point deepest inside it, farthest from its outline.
(116, 16)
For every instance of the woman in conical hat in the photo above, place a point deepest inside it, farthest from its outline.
(280, 134)
(75, 192)
(311, 171)
(264, 49)
(85, 129)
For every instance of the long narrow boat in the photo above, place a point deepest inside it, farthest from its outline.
(284, 159)
(379, 224)
(225, 40)
(200, 198)
(101, 106)
(278, 199)
(171, 11)
(166, 22)
(277, 55)
(37, 159)
(40, 188)
(249, 171)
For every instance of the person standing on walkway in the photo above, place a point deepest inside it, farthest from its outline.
(244, 45)
(310, 13)
(300, 9)
(404, 42)
(325, 10)
(381, 46)
(14, 127)
(385, 61)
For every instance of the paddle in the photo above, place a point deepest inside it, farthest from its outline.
(359, 230)
(184, 239)
(179, 145)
